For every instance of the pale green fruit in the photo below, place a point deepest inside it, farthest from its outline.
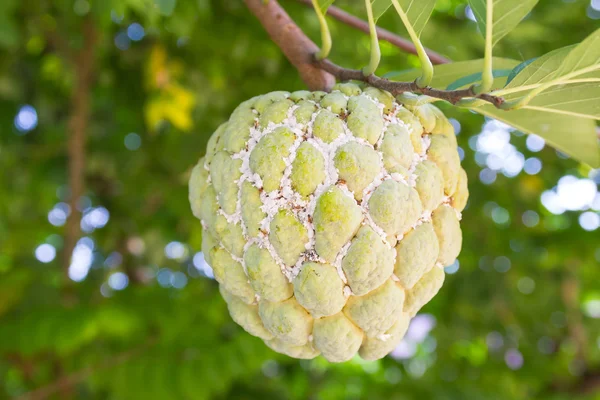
(286, 320)
(265, 275)
(374, 348)
(368, 262)
(337, 338)
(306, 351)
(245, 315)
(378, 310)
(397, 149)
(424, 290)
(336, 220)
(357, 165)
(395, 206)
(327, 217)
(416, 254)
(365, 120)
(319, 289)
(328, 126)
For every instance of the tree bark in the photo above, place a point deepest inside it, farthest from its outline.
(296, 46)
(83, 64)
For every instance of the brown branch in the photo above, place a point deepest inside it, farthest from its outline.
(71, 380)
(396, 88)
(320, 75)
(296, 46)
(382, 34)
(83, 63)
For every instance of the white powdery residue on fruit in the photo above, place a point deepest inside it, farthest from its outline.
(291, 200)
(384, 337)
(382, 176)
(271, 202)
(231, 218)
(418, 158)
(344, 189)
(398, 177)
(426, 216)
(348, 291)
(238, 259)
(379, 105)
(426, 143)
(397, 121)
(328, 151)
(364, 205)
(338, 261)
(458, 214)
(247, 174)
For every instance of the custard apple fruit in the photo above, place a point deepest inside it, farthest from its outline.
(328, 217)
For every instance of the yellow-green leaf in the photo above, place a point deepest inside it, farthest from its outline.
(416, 11)
(506, 15)
(574, 136)
(445, 74)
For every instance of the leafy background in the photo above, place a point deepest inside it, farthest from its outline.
(136, 314)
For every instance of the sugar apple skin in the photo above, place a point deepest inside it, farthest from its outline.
(328, 217)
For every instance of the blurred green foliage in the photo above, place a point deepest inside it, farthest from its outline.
(515, 322)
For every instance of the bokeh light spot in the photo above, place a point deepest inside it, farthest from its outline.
(513, 359)
(201, 265)
(589, 220)
(532, 166)
(26, 119)
(526, 285)
(535, 143)
(135, 32)
(133, 141)
(452, 268)
(530, 218)
(502, 264)
(118, 281)
(175, 250)
(122, 41)
(45, 253)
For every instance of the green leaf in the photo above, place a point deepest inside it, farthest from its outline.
(446, 74)
(583, 59)
(567, 65)
(581, 100)
(540, 69)
(476, 77)
(165, 7)
(394, 74)
(324, 5)
(574, 136)
(417, 12)
(380, 7)
(506, 15)
(518, 69)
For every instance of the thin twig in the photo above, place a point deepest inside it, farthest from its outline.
(396, 88)
(382, 34)
(78, 125)
(320, 75)
(296, 46)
